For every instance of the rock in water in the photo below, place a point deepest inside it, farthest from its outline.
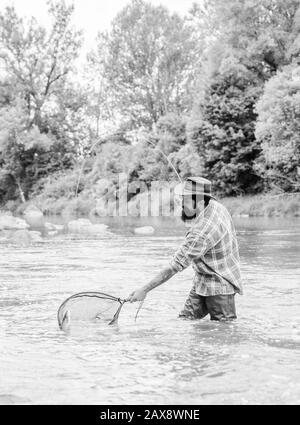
(97, 229)
(34, 216)
(21, 237)
(146, 230)
(5, 235)
(51, 227)
(25, 237)
(53, 233)
(35, 236)
(83, 225)
(10, 222)
(79, 226)
(5, 213)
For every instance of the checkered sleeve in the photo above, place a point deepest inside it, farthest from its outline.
(194, 245)
(197, 242)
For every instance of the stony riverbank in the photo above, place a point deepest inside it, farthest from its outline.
(261, 205)
(33, 227)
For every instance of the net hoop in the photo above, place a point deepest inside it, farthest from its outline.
(91, 294)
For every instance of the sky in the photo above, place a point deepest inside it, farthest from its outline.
(90, 15)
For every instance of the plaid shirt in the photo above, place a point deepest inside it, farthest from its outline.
(211, 246)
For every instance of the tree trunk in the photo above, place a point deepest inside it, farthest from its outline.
(21, 191)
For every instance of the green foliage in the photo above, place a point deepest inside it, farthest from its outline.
(38, 62)
(262, 34)
(223, 131)
(41, 113)
(264, 205)
(38, 65)
(170, 131)
(187, 161)
(144, 160)
(214, 93)
(58, 185)
(278, 129)
(111, 159)
(171, 140)
(146, 60)
(22, 149)
(254, 39)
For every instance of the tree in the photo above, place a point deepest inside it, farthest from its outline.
(38, 74)
(146, 60)
(22, 148)
(187, 161)
(6, 92)
(278, 129)
(262, 34)
(170, 131)
(38, 62)
(254, 39)
(223, 131)
(99, 105)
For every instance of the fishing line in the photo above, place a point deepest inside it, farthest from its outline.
(96, 305)
(148, 141)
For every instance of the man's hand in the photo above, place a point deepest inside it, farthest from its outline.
(138, 295)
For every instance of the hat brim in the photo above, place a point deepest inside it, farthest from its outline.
(181, 191)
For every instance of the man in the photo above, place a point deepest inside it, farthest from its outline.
(211, 247)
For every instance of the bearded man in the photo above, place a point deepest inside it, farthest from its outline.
(211, 247)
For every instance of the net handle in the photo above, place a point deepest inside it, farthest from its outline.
(138, 310)
(116, 315)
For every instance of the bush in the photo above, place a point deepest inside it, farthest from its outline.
(170, 131)
(59, 185)
(223, 131)
(278, 129)
(262, 206)
(292, 207)
(81, 206)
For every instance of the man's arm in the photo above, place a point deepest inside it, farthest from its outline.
(196, 243)
(158, 280)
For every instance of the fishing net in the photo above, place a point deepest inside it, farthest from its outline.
(88, 306)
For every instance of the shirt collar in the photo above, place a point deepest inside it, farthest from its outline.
(203, 214)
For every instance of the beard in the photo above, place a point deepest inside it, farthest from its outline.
(187, 215)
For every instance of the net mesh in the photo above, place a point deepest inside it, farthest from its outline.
(88, 306)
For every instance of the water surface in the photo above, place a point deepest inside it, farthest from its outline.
(160, 358)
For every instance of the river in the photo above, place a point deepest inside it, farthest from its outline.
(160, 358)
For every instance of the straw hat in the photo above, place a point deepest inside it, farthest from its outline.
(194, 186)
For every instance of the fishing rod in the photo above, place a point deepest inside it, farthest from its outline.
(148, 141)
(168, 159)
(97, 305)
